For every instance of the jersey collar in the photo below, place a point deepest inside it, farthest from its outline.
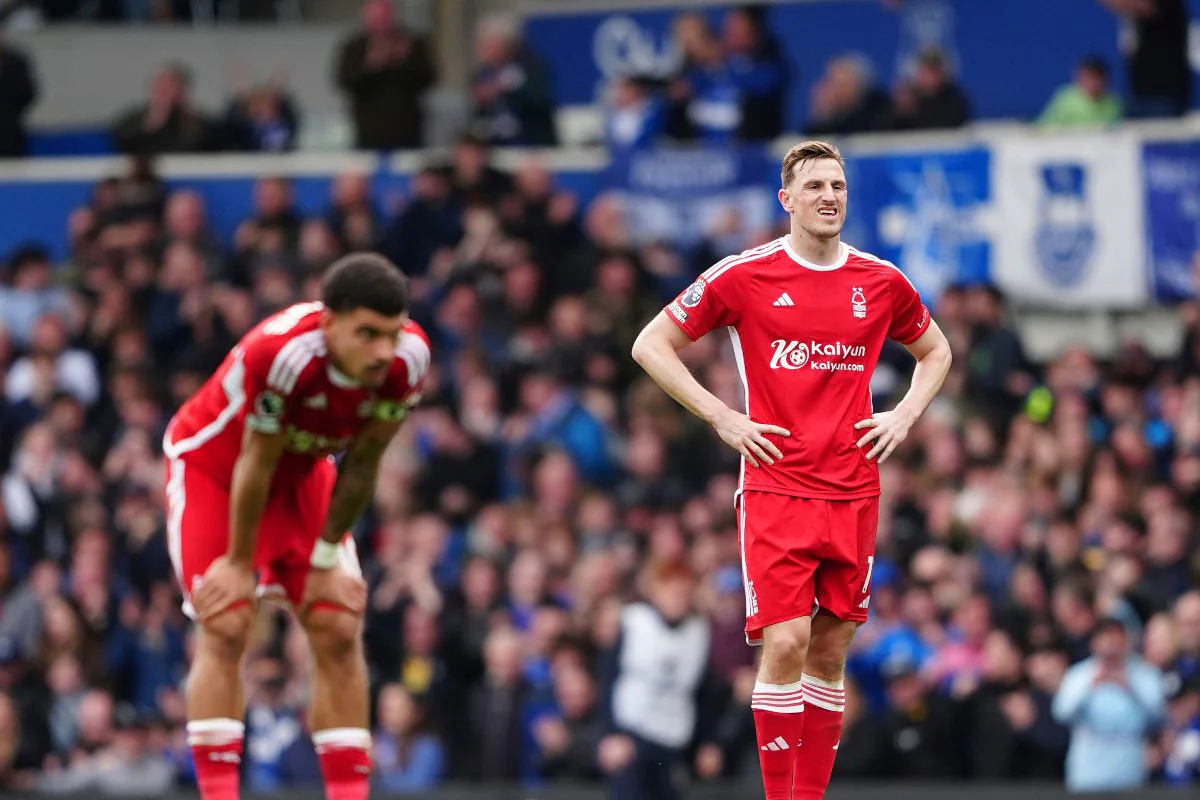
(339, 378)
(843, 254)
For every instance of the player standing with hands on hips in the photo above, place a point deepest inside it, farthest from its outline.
(257, 508)
(808, 316)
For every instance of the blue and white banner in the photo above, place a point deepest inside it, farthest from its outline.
(1073, 229)
(931, 214)
(685, 195)
(1172, 172)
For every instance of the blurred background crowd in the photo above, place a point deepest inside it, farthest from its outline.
(1035, 589)
(728, 80)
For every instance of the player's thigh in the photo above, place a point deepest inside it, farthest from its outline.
(297, 521)
(778, 541)
(197, 510)
(843, 581)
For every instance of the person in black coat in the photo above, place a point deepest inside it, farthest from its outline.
(17, 93)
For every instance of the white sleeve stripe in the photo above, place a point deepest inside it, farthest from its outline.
(726, 264)
(760, 250)
(291, 360)
(878, 260)
(415, 353)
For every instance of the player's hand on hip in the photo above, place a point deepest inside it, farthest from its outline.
(225, 583)
(887, 430)
(749, 437)
(336, 586)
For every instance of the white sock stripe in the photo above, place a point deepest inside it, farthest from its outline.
(825, 704)
(342, 737)
(836, 695)
(769, 696)
(813, 680)
(216, 726)
(778, 708)
(776, 688)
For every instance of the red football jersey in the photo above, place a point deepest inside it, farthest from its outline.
(806, 338)
(279, 379)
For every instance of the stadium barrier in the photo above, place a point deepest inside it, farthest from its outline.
(890, 790)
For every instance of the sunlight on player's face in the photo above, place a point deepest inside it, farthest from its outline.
(362, 343)
(816, 198)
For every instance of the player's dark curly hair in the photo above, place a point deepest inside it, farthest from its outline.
(365, 280)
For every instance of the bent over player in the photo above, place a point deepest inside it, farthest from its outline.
(257, 508)
(808, 316)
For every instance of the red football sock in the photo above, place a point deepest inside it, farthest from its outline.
(825, 701)
(778, 719)
(217, 752)
(345, 755)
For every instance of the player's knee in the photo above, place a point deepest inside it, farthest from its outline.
(786, 643)
(227, 634)
(334, 634)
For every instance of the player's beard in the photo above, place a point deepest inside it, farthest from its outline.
(822, 229)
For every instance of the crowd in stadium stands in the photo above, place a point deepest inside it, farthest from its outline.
(1037, 539)
(1034, 613)
(731, 84)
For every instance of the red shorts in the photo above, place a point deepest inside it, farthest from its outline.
(801, 554)
(198, 530)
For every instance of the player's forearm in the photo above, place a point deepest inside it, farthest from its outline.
(662, 363)
(352, 495)
(928, 377)
(248, 501)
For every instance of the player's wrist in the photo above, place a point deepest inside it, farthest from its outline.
(325, 554)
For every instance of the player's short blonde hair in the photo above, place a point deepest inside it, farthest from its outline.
(802, 153)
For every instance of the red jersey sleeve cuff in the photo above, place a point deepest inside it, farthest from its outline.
(679, 316)
(926, 319)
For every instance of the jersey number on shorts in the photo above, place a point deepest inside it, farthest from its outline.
(870, 568)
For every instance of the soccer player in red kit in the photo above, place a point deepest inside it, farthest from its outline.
(808, 316)
(257, 508)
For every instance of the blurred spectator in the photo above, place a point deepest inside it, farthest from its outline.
(846, 100)
(998, 373)
(916, 739)
(569, 742)
(656, 687)
(1160, 77)
(352, 215)
(53, 365)
(385, 70)
(275, 734)
(931, 99)
(497, 724)
(430, 221)
(474, 181)
(635, 117)
(29, 293)
(1112, 702)
(408, 759)
(18, 91)
(1088, 101)
(168, 123)
(1181, 742)
(512, 91)
(261, 119)
(757, 65)
(705, 98)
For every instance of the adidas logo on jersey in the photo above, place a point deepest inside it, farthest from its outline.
(779, 744)
(784, 300)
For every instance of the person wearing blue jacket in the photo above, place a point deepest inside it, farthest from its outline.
(1112, 702)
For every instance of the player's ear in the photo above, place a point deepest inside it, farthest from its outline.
(785, 200)
(327, 319)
